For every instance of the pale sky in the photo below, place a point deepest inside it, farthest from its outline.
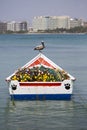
(19, 10)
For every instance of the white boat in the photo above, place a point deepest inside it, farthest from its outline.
(40, 79)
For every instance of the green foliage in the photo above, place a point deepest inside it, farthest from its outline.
(79, 29)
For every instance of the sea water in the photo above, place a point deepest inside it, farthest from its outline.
(69, 51)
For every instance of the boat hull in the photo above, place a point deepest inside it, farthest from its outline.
(41, 90)
(41, 97)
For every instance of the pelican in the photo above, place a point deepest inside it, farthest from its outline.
(40, 47)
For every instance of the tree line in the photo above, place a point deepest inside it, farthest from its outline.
(63, 30)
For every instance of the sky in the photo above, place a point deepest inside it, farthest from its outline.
(20, 10)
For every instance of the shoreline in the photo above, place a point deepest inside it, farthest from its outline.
(35, 33)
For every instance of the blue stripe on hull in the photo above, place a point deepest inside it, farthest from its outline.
(42, 97)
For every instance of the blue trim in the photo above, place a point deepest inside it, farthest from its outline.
(41, 97)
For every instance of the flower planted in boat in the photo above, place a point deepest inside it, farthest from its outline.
(39, 74)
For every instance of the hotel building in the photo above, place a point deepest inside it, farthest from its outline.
(17, 26)
(51, 22)
(76, 23)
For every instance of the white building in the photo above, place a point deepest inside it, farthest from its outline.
(76, 22)
(16, 26)
(51, 22)
(63, 22)
(11, 26)
(40, 23)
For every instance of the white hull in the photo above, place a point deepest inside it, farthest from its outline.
(41, 90)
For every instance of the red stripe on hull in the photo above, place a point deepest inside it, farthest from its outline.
(39, 84)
